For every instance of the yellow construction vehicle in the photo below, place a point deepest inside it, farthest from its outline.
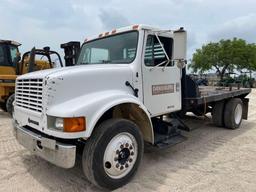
(12, 65)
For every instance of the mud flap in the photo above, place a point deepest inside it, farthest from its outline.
(245, 108)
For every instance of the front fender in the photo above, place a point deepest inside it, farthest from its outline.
(93, 106)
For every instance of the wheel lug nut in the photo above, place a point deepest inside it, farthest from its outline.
(115, 159)
(121, 146)
(126, 165)
(117, 151)
(122, 167)
(130, 148)
(117, 165)
(132, 153)
(130, 160)
(127, 145)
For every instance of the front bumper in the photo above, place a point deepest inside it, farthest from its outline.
(60, 154)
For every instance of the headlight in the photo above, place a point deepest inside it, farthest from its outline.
(59, 124)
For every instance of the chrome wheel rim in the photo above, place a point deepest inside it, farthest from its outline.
(238, 113)
(120, 155)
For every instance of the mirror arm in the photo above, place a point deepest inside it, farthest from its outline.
(166, 55)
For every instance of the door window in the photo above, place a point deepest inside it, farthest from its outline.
(154, 53)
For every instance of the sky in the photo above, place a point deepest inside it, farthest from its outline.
(52, 22)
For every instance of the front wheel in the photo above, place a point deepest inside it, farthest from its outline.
(113, 153)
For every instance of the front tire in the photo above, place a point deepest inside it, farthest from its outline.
(113, 153)
(233, 113)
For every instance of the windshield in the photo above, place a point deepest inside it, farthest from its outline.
(8, 54)
(120, 48)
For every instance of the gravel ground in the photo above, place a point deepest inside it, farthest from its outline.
(212, 159)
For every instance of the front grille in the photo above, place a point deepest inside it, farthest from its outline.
(29, 94)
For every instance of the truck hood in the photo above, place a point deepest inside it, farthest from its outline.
(42, 74)
(60, 71)
(65, 84)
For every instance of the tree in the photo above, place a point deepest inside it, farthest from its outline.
(223, 56)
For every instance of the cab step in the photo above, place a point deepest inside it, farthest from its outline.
(167, 133)
(162, 141)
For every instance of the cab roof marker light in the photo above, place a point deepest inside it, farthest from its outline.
(113, 31)
(135, 27)
(100, 35)
(107, 33)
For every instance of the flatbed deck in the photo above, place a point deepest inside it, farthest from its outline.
(208, 94)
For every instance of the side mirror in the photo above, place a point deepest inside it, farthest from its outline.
(180, 45)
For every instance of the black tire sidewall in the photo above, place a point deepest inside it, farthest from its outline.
(100, 176)
(9, 104)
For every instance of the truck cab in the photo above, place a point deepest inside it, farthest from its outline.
(111, 102)
(148, 53)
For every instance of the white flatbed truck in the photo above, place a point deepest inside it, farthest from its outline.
(113, 101)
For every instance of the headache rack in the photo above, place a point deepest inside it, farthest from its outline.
(29, 94)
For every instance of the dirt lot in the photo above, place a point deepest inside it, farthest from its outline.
(212, 159)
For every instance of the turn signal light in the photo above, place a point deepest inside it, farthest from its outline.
(74, 124)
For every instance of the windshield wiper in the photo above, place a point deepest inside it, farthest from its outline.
(83, 63)
(100, 61)
(167, 61)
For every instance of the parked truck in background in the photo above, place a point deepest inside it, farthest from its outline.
(113, 101)
(12, 65)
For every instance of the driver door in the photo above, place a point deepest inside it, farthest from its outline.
(161, 83)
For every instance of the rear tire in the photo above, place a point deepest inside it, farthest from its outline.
(218, 114)
(233, 113)
(9, 104)
(113, 153)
